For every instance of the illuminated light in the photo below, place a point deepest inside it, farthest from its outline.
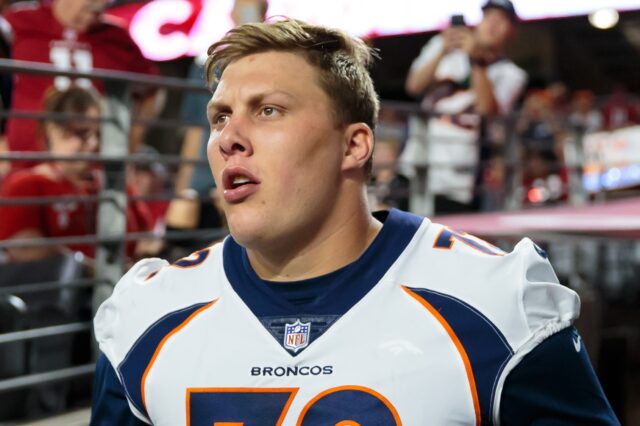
(591, 182)
(146, 24)
(611, 178)
(604, 19)
(535, 195)
(358, 17)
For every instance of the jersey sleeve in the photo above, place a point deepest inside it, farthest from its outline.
(150, 303)
(500, 306)
(543, 308)
(120, 319)
(109, 406)
(16, 218)
(555, 384)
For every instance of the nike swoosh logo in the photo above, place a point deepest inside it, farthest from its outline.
(577, 343)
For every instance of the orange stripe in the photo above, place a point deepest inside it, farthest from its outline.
(163, 341)
(379, 396)
(456, 342)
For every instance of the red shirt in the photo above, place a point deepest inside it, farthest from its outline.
(39, 37)
(59, 219)
(62, 219)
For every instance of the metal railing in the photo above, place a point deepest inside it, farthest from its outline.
(112, 200)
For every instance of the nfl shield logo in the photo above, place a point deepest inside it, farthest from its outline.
(296, 335)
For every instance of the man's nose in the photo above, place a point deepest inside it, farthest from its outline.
(233, 139)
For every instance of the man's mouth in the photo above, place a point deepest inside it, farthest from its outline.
(239, 181)
(238, 184)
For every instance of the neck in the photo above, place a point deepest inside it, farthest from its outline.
(59, 15)
(340, 241)
(60, 171)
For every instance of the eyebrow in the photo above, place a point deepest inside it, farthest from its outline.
(255, 99)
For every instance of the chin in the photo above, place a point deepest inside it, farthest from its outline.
(246, 229)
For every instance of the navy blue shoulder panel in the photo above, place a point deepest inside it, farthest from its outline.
(109, 406)
(487, 349)
(132, 368)
(344, 287)
(555, 385)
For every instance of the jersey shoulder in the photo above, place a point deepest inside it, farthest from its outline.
(153, 290)
(25, 183)
(517, 292)
(28, 16)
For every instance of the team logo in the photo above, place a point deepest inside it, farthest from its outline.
(296, 335)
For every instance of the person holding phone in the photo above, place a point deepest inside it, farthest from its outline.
(461, 74)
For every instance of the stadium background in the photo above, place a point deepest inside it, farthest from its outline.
(590, 226)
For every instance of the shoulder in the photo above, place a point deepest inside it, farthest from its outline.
(112, 29)
(24, 183)
(21, 15)
(517, 293)
(153, 291)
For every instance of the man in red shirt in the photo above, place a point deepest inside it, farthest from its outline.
(70, 34)
(57, 179)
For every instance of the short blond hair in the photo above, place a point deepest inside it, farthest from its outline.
(341, 60)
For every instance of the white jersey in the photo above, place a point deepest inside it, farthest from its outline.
(421, 330)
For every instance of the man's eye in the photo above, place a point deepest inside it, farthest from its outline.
(269, 111)
(220, 119)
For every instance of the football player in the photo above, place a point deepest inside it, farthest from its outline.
(313, 311)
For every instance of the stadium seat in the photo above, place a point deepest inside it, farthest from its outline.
(42, 309)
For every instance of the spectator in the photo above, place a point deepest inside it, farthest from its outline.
(536, 125)
(620, 109)
(149, 179)
(544, 175)
(388, 189)
(69, 34)
(58, 219)
(75, 135)
(560, 99)
(460, 71)
(585, 116)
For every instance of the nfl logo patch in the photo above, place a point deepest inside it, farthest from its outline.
(296, 335)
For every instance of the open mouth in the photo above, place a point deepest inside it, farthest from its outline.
(238, 183)
(236, 177)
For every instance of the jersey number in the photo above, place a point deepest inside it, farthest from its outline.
(447, 237)
(341, 406)
(68, 59)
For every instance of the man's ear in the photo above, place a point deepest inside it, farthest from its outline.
(358, 146)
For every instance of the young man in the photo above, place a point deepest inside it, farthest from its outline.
(314, 312)
(77, 135)
(461, 74)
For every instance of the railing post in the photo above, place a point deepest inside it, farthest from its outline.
(513, 172)
(574, 160)
(112, 211)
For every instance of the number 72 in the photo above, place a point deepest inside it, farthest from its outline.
(339, 406)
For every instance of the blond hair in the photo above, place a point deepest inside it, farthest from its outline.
(340, 59)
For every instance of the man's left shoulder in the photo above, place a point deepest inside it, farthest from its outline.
(112, 29)
(517, 292)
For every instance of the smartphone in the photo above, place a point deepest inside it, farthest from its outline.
(458, 21)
